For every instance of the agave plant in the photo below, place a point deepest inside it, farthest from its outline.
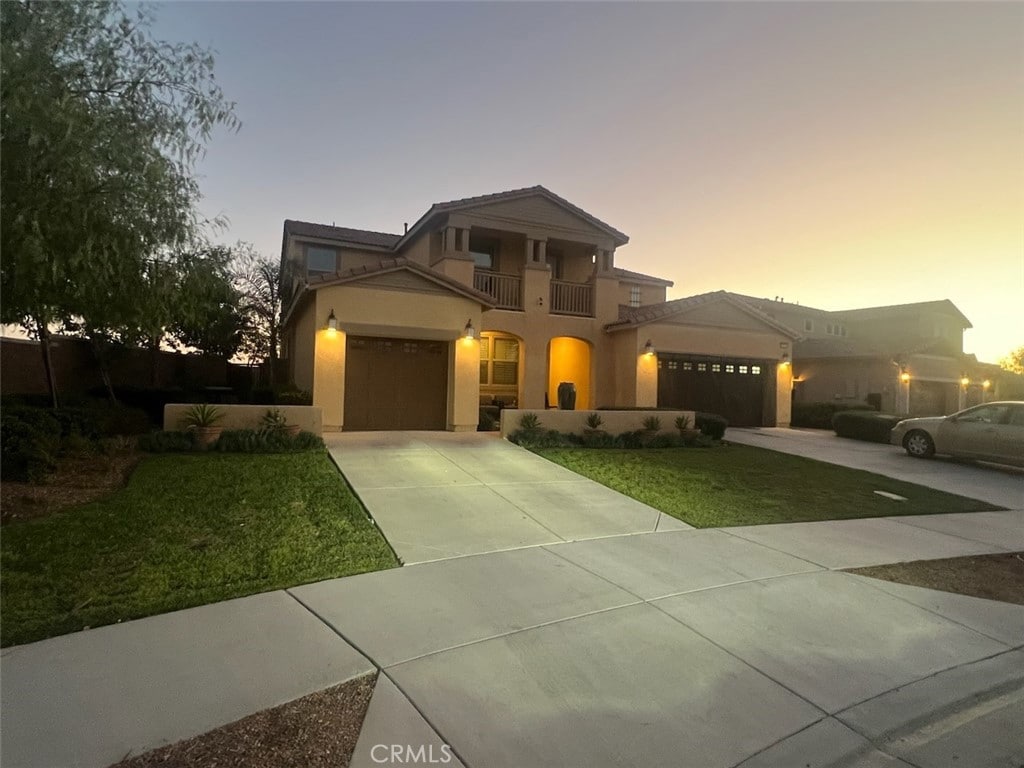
(529, 422)
(652, 424)
(594, 421)
(682, 423)
(201, 416)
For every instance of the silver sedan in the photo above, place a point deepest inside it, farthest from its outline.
(989, 432)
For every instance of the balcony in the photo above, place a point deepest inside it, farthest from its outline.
(506, 290)
(572, 298)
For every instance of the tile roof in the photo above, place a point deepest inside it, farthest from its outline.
(631, 317)
(396, 265)
(342, 234)
(628, 274)
(512, 194)
(819, 348)
(767, 305)
(944, 306)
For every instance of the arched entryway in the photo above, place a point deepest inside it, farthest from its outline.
(569, 360)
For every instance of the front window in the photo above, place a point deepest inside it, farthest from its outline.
(634, 296)
(499, 361)
(321, 261)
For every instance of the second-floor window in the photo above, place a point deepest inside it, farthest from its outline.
(484, 254)
(808, 325)
(321, 261)
(634, 296)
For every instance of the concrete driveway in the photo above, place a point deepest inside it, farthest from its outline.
(440, 494)
(692, 648)
(1001, 486)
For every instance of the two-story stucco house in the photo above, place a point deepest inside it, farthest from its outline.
(904, 358)
(500, 298)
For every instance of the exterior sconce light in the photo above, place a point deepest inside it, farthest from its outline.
(469, 333)
(785, 358)
(986, 384)
(648, 348)
(904, 376)
(964, 380)
(332, 322)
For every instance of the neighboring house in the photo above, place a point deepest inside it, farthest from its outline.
(906, 358)
(498, 299)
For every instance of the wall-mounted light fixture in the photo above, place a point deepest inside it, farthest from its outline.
(986, 384)
(648, 348)
(904, 374)
(469, 332)
(332, 322)
(785, 359)
(964, 379)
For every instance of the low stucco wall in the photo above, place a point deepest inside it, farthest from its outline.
(614, 422)
(308, 417)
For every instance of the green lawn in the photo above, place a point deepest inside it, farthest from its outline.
(742, 485)
(187, 530)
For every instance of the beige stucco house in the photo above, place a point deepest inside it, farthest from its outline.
(500, 298)
(904, 358)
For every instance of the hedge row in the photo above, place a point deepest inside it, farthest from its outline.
(819, 415)
(865, 425)
(552, 438)
(234, 441)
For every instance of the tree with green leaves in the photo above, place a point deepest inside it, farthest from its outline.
(1014, 361)
(258, 280)
(100, 129)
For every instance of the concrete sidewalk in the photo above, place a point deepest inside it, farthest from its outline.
(437, 495)
(1001, 486)
(695, 648)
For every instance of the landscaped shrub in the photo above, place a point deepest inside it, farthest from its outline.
(663, 441)
(490, 418)
(265, 441)
(29, 443)
(819, 415)
(711, 424)
(634, 439)
(167, 442)
(865, 425)
(652, 424)
(293, 397)
(538, 438)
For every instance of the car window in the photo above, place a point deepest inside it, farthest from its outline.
(985, 414)
(1016, 416)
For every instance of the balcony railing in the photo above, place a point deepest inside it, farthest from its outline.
(506, 290)
(572, 298)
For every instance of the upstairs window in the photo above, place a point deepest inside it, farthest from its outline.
(484, 253)
(808, 325)
(321, 261)
(634, 296)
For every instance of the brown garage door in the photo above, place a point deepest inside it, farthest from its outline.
(395, 384)
(731, 387)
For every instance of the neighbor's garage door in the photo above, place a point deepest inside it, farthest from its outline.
(733, 388)
(395, 384)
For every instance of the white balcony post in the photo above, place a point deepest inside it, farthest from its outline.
(542, 251)
(529, 250)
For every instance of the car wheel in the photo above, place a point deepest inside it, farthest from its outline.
(919, 444)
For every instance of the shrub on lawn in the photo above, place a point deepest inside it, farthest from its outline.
(538, 438)
(864, 425)
(711, 424)
(29, 443)
(819, 415)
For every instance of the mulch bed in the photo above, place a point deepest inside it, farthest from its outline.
(995, 577)
(78, 480)
(316, 731)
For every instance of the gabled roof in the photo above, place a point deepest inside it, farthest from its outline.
(342, 234)
(400, 264)
(386, 266)
(832, 348)
(633, 317)
(513, 194)
(767, 305)
(944, 306)
(640, 277)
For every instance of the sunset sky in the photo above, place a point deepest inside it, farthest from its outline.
(836, 154)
